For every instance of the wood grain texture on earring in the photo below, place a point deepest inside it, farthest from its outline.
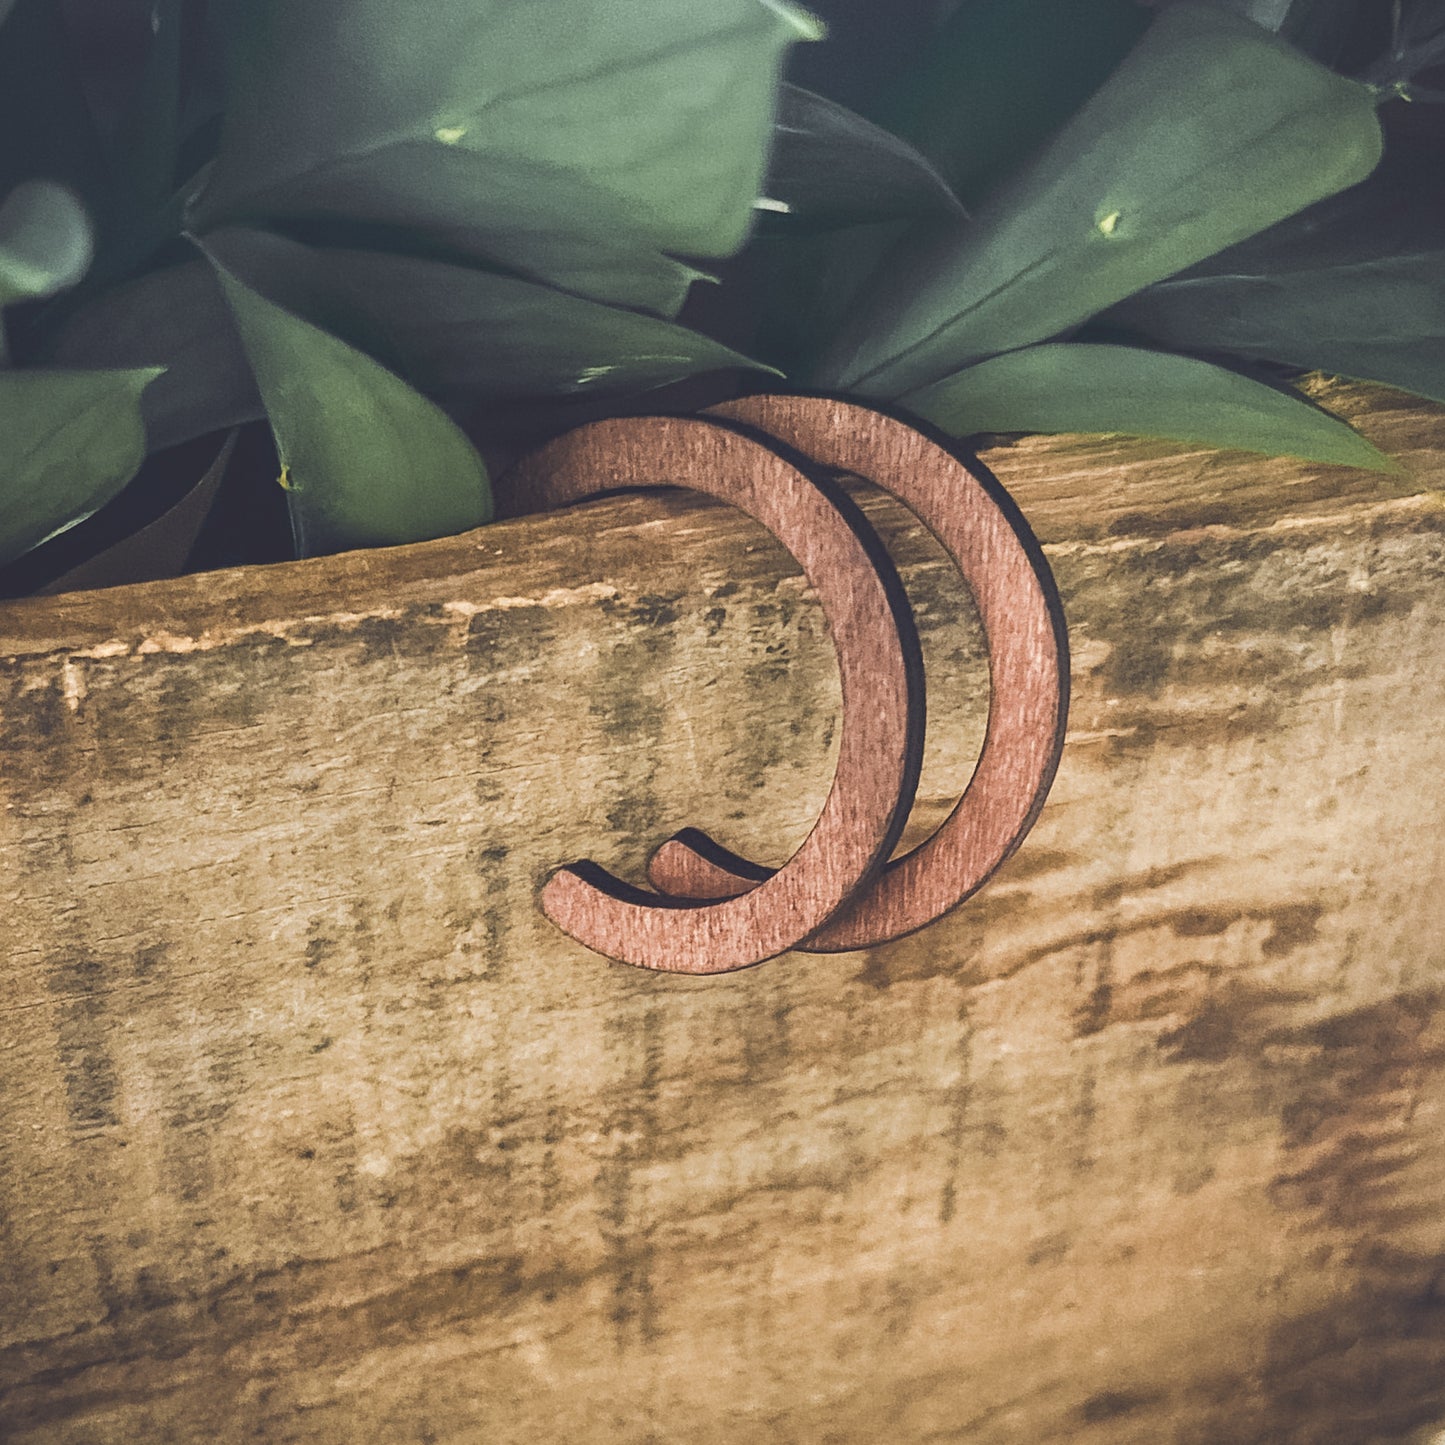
(881, 736)
(982, 530)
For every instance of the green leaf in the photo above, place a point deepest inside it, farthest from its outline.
(148, 139)
(637, 126)
(1356, 286)
(454, 329)
(508, 214)
(795, 286)
(1001, 77)
(158, 549)
(1380, 320)
(176, 318)
(367, 461)
(1269, 14)
(830, 167)
(46, 129)
(1208, 132)
(1419, 21)
(46, 241)
(73, 439)
(1065, 387)
(1417, 43)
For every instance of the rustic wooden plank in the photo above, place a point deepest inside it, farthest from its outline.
(315, 1130)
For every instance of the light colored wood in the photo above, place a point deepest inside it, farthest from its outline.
(977, 525)
(880, 677)
(315, 1130)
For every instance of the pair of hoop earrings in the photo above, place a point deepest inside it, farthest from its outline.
(776, 458)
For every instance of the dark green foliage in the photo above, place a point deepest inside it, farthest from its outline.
(1001, 77)
(320, 211)
(177, 315)
(364, 458)
(459, 329)
(1074, 386)
(1138, 184)
(1218, 150)
(1355, 286)
(48, 419)
(366, 229)
(831, 167)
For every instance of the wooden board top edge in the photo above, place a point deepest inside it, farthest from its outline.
(1076, 491)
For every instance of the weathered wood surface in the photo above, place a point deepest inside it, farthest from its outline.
(314, 1129)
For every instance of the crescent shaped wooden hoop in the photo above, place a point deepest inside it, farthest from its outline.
(982, 530)
(881, 738)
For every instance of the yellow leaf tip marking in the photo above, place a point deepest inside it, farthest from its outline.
(1108, 224)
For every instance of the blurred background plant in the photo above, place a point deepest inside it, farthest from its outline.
(327, 243)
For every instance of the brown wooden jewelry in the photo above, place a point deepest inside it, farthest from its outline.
(881, 737)
(982, 530)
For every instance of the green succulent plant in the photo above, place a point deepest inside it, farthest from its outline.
(362, 232)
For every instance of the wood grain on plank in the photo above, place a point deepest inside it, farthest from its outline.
(314, 1130)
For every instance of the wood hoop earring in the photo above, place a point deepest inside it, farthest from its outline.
(979, 526)
(881, 737)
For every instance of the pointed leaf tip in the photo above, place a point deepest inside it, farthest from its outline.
(73, 439)
(1210, 131)
(1081, 387)
(370, 461)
